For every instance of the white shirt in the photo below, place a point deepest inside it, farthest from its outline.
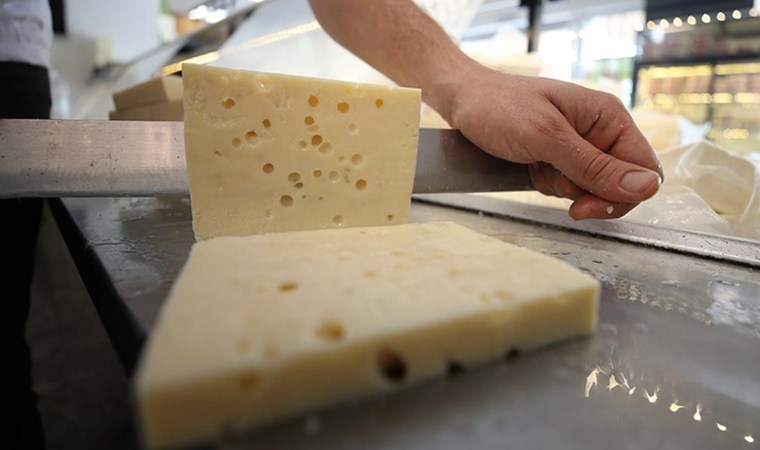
(26, 31)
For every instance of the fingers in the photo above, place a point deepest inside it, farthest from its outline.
(602, 120)
(591, 207)
(550, 181)
(614, 132)
(602, 174)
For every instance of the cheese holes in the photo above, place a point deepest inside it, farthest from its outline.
(288, 286)
(266, 123)
(313, 101)
(331, 330)
(357, 159)
(299, 185)
(236, 142)
(308, 120)
(286, 200)
(342, 159)
(325, 148)
(379, 103)
(343, 107)
(303, 145)
(248, 380)
(294, 177)
(353, 128)
(338, 220)
(228, 103)
(317, 173)
(391, 365)
(316, 140)
(267, 168)
(251, 137)
(389, 217)
(361, 185)
(333, 176)
(218, 154)
(502, 295)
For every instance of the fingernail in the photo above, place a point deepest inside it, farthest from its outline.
(637, 181)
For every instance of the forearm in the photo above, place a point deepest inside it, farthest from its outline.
(399, 40)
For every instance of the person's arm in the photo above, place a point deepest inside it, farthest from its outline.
(580, 143)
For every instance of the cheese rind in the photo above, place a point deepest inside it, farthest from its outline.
(270, 152)
(156, 90)
(263, 327)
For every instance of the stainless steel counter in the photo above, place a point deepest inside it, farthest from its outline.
(674, 364)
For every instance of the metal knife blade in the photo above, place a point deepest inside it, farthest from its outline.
(99, 158)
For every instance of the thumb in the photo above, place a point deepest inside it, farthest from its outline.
(604, 175)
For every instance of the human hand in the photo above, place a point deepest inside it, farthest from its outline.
(579, 143)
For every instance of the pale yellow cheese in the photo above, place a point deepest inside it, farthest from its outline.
(270, 152)
(156, 90)
(263, 327)
(168, 111)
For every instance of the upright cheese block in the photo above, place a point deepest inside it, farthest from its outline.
(156, 90)
(270, 152)
(268, 326)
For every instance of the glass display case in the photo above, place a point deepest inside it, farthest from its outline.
(708, 73)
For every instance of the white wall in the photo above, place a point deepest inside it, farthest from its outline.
(131, 25)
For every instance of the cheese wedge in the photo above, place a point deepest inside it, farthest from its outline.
(264, 327)
(156, 90)
(270, 152)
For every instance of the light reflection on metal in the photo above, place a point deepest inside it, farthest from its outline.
(652, 398)
(675, 407)
(591, 381)
(613, 383)
(698, 413)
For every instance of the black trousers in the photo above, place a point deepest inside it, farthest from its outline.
(24, 94)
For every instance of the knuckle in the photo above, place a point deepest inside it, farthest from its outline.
(598, 168)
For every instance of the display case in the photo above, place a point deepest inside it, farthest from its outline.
(708, 73)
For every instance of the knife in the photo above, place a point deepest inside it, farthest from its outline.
(100, 158)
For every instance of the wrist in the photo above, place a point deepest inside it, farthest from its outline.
(450, 82)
